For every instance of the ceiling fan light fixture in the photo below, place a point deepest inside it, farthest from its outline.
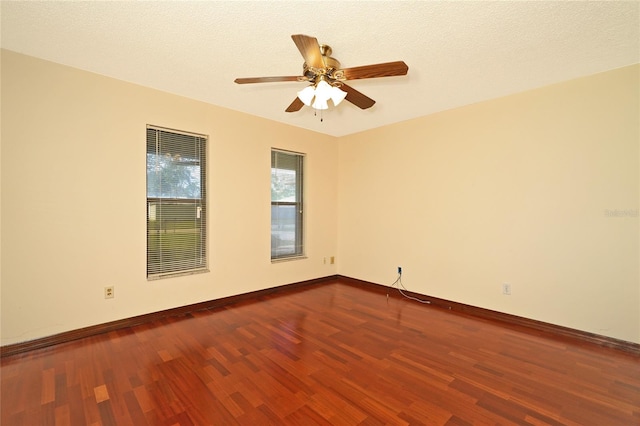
(318, 95)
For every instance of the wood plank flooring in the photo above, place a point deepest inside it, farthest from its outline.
(327, 354)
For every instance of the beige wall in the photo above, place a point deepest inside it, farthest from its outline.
(512, 190)
(73, 199)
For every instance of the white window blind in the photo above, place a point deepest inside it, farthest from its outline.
(286, 204)
(176, 203)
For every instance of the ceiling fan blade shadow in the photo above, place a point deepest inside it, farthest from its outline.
(295, 105)
(387, 69)
(265, 79)
(357, 98)
(310, 50)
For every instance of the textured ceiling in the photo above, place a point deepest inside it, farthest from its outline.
(458, 53)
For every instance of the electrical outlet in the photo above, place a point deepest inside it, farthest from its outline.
(400, 270)
(109, 292)
(333, 260)
(506, 289)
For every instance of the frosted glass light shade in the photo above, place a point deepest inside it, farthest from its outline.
(306, 95)
(323, 91)
(320, 103)
(337, 95)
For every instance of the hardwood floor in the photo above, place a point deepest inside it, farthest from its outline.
(326, 354)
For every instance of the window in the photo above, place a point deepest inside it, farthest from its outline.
(176, 203)
(286, 205)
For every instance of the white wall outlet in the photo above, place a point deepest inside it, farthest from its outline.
(506, 289)
(109, 292)
(333, 260)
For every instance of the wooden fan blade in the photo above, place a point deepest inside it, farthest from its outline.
(295, 105)
(310, 50)
(387, 69)
(265, 79)
(357, 98)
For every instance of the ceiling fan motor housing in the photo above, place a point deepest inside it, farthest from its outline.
(330, 66)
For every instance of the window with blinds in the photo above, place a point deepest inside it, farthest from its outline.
(176, 203)
(286, 205)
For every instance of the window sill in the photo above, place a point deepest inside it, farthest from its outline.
(288, 259)
(176, 274)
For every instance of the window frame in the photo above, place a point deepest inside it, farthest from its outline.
(200, 261)
(299, 204)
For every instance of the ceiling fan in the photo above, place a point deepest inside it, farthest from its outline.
(327, 79)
